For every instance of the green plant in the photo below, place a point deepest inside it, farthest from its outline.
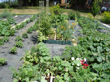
(5, 14)
(71, 15)
(95, 8)
(65, 30)
(3, 61)
(25, 35)
(38, 54)
(1, 41)
(11, 20)
(5, 39)
(56, 10)
(28, 73)
(41, 37)
(106, 17)
(43, 24)
(18, 38)
(19, 44)
(13, 50)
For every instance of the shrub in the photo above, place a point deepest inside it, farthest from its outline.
(13, 50)
(106, 17)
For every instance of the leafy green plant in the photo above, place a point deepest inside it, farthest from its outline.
(95, 8)
(106, 17)
(18, 38)
(25, 35)
(56, 10)
(43, 24)
(71, 15)
(13, 50)
(19, 44)
(2, 61)
(5, 39)
(65, 30)
(1, 41)
(11, 20)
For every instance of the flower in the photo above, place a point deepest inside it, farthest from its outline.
(72, 58)
(85, 59)
(84, 63)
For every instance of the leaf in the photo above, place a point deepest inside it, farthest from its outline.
(99, 59)
(43, 79)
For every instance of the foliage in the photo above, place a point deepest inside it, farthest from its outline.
(3, 40)
(25, 35)
(56, 10)
(38, 54)
(5, 29)
(18, 38)
(95, 8)
(62, 69)
(44, 24)
(41, 37)
(19, 44)
(2, 61)
(27, 74)
(106, 17)
(71, 15)
(65, 31)
(5, 14)
(11, 20)
(13, 50)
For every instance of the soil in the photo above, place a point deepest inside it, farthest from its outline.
(19, 18)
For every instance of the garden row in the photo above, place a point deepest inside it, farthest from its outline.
(6, 32)
(87, 60)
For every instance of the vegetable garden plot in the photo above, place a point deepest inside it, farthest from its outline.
(13, 61)
(86, 61)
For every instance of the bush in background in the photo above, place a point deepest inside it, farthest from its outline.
(106, 17)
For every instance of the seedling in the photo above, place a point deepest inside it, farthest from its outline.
(2, 61)
(19, 44)
(13, 50)
(18, 38)
(25, 35)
